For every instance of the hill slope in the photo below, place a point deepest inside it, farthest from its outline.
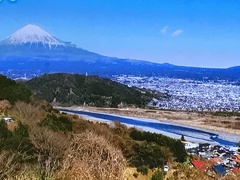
(12, 91)
(74, 89)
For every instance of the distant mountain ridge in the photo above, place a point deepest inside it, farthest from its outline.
(32, 51)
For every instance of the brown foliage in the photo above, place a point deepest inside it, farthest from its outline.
(80, 125)
(102, 129)
(8, 165)
(185, 172)
(50, 147)
(27, 113)
(4, 105)
(91, 156)
(122, 140)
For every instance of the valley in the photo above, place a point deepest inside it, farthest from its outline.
(119, 90)
(160, 102)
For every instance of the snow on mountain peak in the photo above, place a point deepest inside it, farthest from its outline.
(33, 34)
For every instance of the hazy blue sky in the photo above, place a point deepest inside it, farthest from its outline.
(202, 33)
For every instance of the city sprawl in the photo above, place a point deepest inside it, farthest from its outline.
(188, 94)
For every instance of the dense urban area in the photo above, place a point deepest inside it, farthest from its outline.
(188, 94)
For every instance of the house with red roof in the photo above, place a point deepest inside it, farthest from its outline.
(198, 164)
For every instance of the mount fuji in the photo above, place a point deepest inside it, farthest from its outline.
(32, 42)
(31, 51)
(32, 34)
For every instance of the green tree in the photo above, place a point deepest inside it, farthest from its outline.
(12, 91)
(21, 141)
(5, 135)
(142, 169)
(148, 154)
(55, 123)
(176, 147)
(158, 175)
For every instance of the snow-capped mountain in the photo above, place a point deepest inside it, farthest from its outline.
(32, 34)
(32, 50)
(32, 42)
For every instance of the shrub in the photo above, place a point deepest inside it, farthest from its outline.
(55, 123)
(158, 175)
(135, 175)
(8, 164)
(50, 147)
(142, 169)
(91, 156)
(15, 149)
(176, 147)
(21, 141)
(5, 135)
(147, 154)
(17, 141)
(4, 105)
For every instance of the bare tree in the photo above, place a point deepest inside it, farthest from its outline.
(91, 156)
(50, 147)
(27, 113)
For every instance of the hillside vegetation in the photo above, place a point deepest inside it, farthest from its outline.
(74, 89)
(13, 91)
(42, 143)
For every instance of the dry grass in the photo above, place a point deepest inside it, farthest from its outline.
(223, 122)
(185, 172)
(132, 174)
(28, 173)
(8, 165)
(91, 156)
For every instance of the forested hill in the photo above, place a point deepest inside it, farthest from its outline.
(75, 89)
(13, 91)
